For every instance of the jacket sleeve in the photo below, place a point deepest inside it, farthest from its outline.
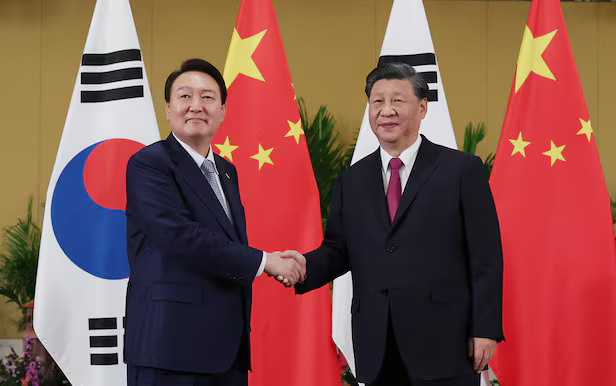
(484, 251)
(155, 205)
(330, 260)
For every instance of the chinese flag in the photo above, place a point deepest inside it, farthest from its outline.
(263, 136)
(559, 305)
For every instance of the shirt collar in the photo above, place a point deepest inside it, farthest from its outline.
(198, 158)
(406, 156)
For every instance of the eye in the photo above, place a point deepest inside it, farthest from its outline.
(184, 96)
(209, 97)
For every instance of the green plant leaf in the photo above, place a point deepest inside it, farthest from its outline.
(19, 260)
(329, 157)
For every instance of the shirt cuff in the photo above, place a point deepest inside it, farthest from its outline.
(262, 266)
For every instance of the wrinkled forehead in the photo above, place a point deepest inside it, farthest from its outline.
(392, 87)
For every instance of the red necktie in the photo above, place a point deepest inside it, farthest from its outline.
(394, 189)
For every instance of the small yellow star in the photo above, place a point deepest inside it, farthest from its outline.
(239, 59)
(226, 149)
(555, 153)
(263, 156)
(530, 59)
(586, 128)
(519, 145)
(296, 130)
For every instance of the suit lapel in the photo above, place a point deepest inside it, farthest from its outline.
(425, 165)
(193, 176)
(374, 187)
(231, 191)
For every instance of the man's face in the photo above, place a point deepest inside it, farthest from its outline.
(195, 109)
(395, 112)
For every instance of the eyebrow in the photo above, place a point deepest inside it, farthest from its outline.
(190, 88)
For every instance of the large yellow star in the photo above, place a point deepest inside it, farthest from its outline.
(226, 149)
(530, 59)
(296, 130)
(239, 58)
(555, 153)
(586, 128)
(519, 145)
(263, 156)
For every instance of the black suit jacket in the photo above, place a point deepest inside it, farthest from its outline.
(189, 295)
(437, 269)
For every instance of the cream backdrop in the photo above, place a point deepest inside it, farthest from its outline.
(331, 45)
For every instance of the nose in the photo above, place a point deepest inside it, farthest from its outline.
(387, 109)
(196, 105)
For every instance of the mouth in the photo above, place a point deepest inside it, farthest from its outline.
(196, 120)
(388, 125)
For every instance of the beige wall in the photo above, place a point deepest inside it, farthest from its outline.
(331, 45)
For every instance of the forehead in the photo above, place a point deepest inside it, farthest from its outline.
(195, 80)
(392, 86)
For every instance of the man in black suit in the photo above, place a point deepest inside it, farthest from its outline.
(189, 294)
(416, 225)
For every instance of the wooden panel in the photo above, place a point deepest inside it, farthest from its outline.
(20, 102)
(459, 35)
(604, 112)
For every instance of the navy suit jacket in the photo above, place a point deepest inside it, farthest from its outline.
(437, 269)
(189, 294)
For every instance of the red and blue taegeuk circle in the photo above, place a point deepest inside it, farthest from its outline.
(87, 208)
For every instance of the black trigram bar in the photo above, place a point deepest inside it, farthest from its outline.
(102, 323)
(110, 58)
(111, 76)
(432, 95)
(430, 76)
(104, 341)
(413, 60)
(104, 359)
(112, 95)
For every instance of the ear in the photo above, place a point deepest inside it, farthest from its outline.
(423, 107)
(167, 109)
(223, 110)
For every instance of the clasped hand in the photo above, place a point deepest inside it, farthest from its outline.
(287, 267)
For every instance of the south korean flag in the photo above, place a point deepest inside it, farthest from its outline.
(83, 265)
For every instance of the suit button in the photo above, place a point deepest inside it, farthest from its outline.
(391, 248)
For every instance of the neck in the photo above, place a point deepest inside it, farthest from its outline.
(394, 149)
(200, 144)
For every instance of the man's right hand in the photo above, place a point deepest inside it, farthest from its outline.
(287, 270)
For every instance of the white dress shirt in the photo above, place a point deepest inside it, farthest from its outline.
(199, 159)
(408, 157)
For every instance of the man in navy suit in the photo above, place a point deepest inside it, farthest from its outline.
(189, 294)
(416, 225)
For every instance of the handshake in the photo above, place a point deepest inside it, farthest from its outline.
(288, 267)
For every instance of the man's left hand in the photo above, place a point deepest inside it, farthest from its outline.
(482, 350)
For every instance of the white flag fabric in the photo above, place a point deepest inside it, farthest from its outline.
(407, 39)
(83, 265)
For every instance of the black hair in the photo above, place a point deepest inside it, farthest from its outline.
(198, 65)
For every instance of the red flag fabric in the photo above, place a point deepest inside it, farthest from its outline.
(263, 136)
(559, 300)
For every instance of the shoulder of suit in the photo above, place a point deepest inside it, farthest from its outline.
(449, 153)
(151, 154)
